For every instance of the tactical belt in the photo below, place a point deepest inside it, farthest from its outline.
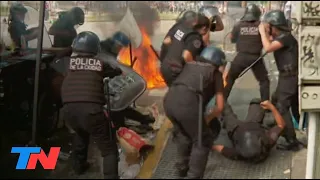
(189, 87)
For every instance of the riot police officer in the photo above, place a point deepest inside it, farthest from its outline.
(189, 19)
(112, 46)
(212, 13)
(18, 29)
(63, 29)
(285, 48)
(251, 141)
(181, 106)
(185, 46)
(83, 98)
(249, 46)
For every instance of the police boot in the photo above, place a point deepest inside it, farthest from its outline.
(198, 162)
(110, 166)
(184, 150)
(292, 144)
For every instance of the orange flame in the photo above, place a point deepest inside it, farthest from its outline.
(146, 63)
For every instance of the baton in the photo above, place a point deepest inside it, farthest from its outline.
(200, 123)
(111, 126)
(255, 62)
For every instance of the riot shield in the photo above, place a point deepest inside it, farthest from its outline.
(126, 88)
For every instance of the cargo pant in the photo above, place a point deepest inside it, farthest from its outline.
(240, 63)
(181, 107)
(170, 69)
(89, 119)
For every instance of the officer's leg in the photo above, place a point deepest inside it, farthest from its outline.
(286, 90)
(138, 116)
(237, 66)
(188, 117)
(182, 141)
(166, 73)
(80, 139)
(261, 74)
(255, 111)
(101, 131)
(184, 145)
(295, 106)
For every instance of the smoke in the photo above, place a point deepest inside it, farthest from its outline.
(144, 15)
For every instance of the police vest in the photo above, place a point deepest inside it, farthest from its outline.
(249, 40)
(165, 47)
(178, 42)
(84, 81)
(190, 77)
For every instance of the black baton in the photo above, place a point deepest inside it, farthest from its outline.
(255, 62)
(200, 120)
(106, 82)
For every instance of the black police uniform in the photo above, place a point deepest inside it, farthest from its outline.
(187, 18)
(251, 140)
(249, 46)
(184, 38)
(181, 106)
(287, 62)
(83, 97)
(287, 90)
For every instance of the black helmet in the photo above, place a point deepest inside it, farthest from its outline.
(276, 18)
(214, 56)
(77, 15)
(188, 16)
(249, 145)
(209, 11)
(252, 13)
(86, 42)
(17, 8)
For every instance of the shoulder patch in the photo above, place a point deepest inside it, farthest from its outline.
(196, 43)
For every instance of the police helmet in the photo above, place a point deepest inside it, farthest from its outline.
(121, 39)
(77, 15)
(249, 145)
(276, 18)
(188, 16)
(86, 42)
(252, 13)
(18, 8)
(209, 11)
(214, 56)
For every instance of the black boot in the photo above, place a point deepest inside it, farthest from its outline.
(110, 166)
(198, 162)
(292, 144)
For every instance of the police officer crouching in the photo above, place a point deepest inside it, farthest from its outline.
(186, 45)
(181, 106)
(285, 48)
(83, 98)
(249, 46)
(251, 141)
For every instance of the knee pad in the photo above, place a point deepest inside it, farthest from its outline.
(255, 101)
